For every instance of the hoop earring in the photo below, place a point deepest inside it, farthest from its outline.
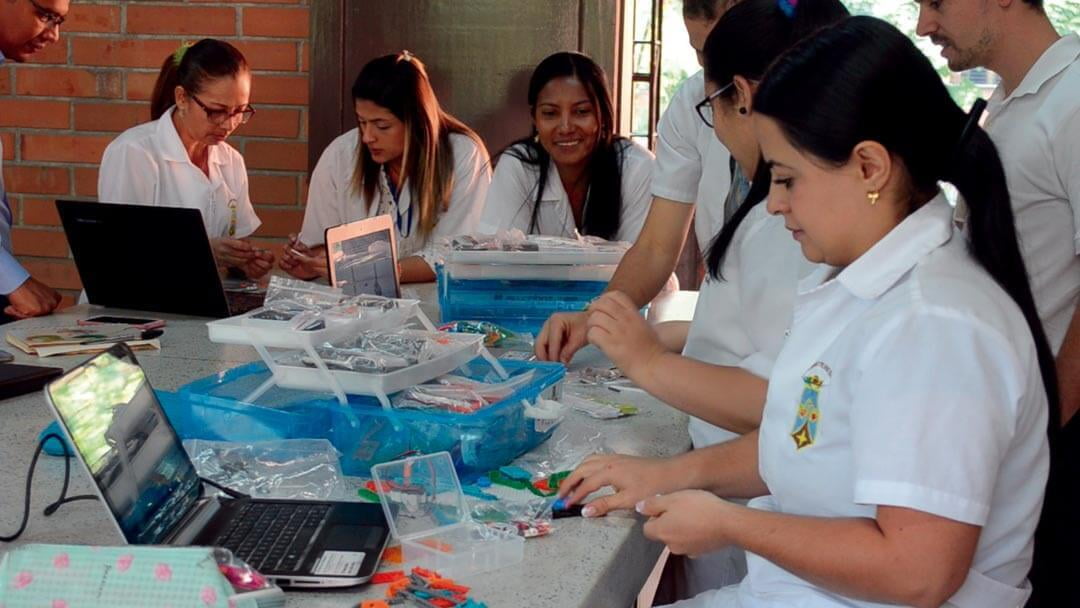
(872, 197)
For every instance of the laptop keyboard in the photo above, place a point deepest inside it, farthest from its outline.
(273, 537)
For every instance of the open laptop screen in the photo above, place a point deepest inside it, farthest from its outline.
(363, 263)
(132, 452)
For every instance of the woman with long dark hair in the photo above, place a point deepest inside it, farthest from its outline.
(573, 174)
(902, 456)
(181, 157)
(408, 158)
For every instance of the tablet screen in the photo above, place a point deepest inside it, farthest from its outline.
(365, 264)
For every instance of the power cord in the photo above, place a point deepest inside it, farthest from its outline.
(62, 500)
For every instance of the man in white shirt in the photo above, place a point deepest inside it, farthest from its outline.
(690, 182)
(1034, 119)
(26, 27)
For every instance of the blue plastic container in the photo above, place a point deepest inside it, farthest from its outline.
(521, 305)
(364, 432)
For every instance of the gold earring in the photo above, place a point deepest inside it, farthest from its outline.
(872, 197)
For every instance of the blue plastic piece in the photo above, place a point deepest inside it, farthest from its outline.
(483, 481)
(474, 491)
(559, 504)
(516, 473)
(521, 305)
(362, 430)
(52, 448)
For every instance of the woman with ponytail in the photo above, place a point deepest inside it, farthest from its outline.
(902, 455)
(181, 158)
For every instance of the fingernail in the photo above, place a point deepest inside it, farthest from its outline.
(588, 511)
(640, 506)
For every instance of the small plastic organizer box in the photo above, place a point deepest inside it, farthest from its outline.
(362, 430)
(428, 514)
(517, 297)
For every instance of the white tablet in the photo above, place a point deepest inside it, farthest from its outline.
(363, 257)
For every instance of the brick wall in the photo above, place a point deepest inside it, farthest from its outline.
(59, 112)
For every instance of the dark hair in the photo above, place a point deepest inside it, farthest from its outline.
(191, 68)
(704, 9)
(400, 83)
(863, 80)
(603, 206)
(745, 42)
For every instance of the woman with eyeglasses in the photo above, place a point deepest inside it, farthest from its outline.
(180, 158)
(408, 159)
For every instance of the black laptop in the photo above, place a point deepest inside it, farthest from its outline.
(156, 259)
(142, 473)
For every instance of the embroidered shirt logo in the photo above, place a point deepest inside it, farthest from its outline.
(808, 416)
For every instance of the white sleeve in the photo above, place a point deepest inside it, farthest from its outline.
(247, 220)
(677, 170)
(636, 192)
(472, 177)
(328, 192)
(936, 409)
(510, 194)
(128, 174)
(1065, 146)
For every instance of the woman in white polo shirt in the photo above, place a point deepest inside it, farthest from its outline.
(902, 456)
(408, 158)
(573, 175)
(180, 159)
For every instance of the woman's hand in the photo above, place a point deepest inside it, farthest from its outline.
(232, 253)
(259, 265)
(634, 479)
(304, 262)
(617, 328)
(563, 335)
(689, 522)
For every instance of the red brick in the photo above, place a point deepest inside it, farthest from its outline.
(38, 114)
(305, 53)
(201, 21)
(110, 116)
(263, 55)
(68, 82)
(41, 243)
(273, 189)
(140, 85)
(279, 222)
(281, 155)
(120, 52)
(59, 274)
(55, 53)
(250, 1)
(5, 81)
(8, 140)
(271, 122)
(64, 148)
(287, 90)
(84, 17)
(86, 181)
(277, 22)
(37, 180)
(40, 212)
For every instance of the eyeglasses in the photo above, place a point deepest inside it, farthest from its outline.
(219, 117)
(704, 107)
(50, 18)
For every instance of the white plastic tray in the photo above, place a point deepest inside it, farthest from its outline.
(605, 255)
(465, 348)
(247, 330)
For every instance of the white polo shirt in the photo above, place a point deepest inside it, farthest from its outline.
(333, 200)
(512, 196)
(909, 379)
(692, 166)
(1037, 132)
(148, 165)
(740, 320)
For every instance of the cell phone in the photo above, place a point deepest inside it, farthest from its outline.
(138, 322)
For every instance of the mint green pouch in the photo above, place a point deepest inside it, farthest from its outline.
(76, 576)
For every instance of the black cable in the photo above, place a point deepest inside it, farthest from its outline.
(62, 500)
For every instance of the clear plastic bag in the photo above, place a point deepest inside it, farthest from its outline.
(458, 394)
(528, 518)
(306, 469)
(563, 452)
(310, 306)
(376, 352)
(516, 240)
(495, 336)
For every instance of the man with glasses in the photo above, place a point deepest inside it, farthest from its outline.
(26, 27)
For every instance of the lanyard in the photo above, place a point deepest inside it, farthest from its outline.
(403, 230)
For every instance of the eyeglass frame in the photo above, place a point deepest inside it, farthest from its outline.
(245, 115)
(51, 18)
(707, 103)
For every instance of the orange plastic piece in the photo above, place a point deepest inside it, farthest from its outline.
(446, 584)
(397, 586)
(392, 555)
(437, 545)
(374, 604)
(391, 576)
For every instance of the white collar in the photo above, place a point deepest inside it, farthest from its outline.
(172, 147)
(1052, 62)
(881, 266)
